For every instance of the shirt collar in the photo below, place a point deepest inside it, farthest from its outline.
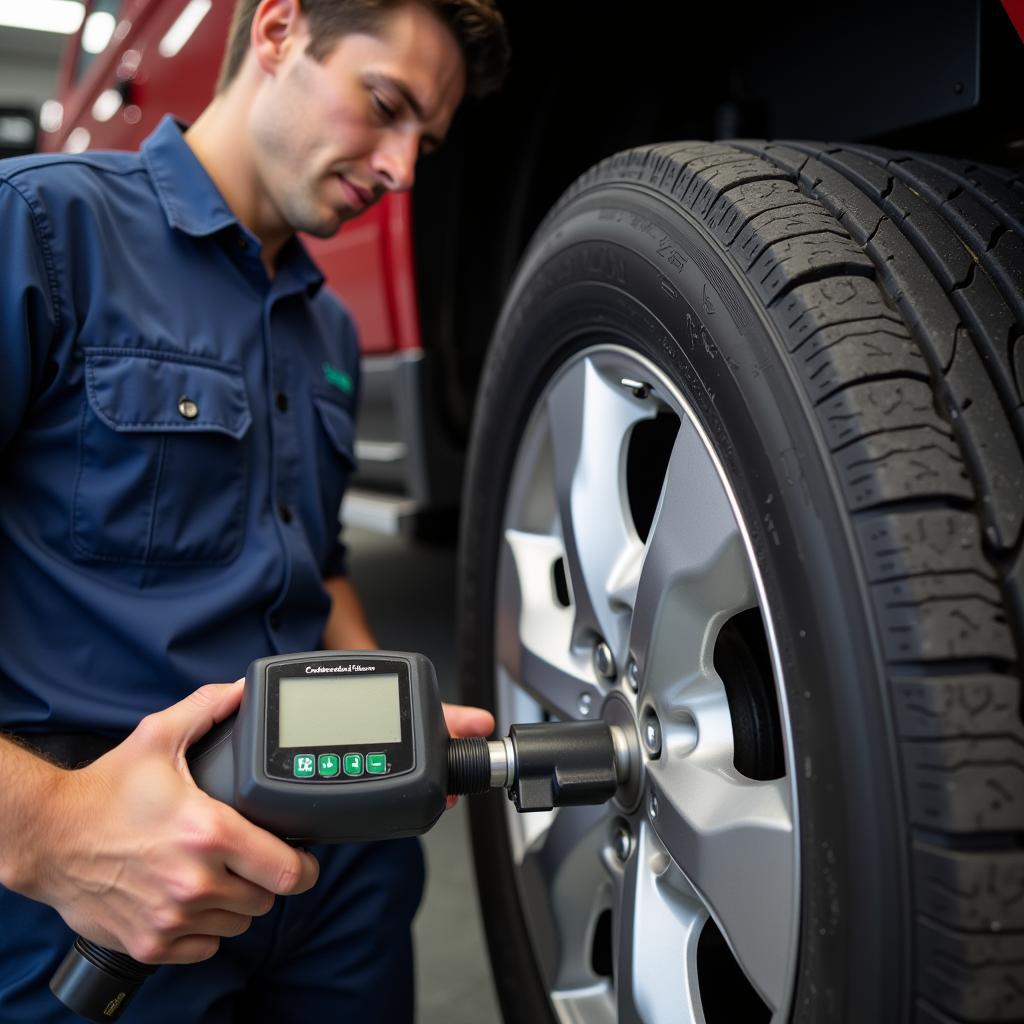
(297, 265)
(192, 202)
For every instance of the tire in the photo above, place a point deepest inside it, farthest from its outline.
(752, 417)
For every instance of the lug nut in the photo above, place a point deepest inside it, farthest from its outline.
(650, 730)
(633, 675)
(604, 660)
(623, 843)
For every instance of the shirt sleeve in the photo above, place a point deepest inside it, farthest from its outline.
(337, 560)
(346, 355)
(28, 310)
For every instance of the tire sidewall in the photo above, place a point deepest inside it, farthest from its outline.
(620, 264)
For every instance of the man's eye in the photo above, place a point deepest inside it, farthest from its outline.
(386, 112)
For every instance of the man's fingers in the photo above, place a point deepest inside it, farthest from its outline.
(467, 721)
(239, 896)
(267, 861)
(189, 950)
(221, 923)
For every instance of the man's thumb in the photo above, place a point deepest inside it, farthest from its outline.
(194, 716)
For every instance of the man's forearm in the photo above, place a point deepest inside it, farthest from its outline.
(346, 628)
(32, 787)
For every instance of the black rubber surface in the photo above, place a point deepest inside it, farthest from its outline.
(938, 463)
(896, 283)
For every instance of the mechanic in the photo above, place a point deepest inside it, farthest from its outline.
(176, 410)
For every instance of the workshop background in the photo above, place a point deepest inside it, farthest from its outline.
(453, 975)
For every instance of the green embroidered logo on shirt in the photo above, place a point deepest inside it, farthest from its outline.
(338, 378)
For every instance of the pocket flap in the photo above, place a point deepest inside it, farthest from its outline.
(338, 424)
(149, 392)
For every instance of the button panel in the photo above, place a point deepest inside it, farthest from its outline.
(353, 763)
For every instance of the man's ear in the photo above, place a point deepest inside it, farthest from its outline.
(276, 25)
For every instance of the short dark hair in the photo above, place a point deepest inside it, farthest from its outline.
(476, 24)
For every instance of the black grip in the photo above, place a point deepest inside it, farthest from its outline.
(469, 766)
(211, 762)
(98, 983)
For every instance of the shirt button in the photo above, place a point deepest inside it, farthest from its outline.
(275, 620)
(285, 513)
(282, 401)
(187, 407)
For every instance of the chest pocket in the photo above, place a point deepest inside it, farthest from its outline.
(162, 460)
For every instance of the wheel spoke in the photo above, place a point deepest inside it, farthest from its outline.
(658, 926)
(590, 421)
(733, 838)
(695, 573)
(625, 940)
(534, 632)
(593, 1006)
(566, 886)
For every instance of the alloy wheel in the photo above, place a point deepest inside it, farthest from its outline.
(627, 589)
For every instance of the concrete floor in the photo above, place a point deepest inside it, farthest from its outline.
(409, 592)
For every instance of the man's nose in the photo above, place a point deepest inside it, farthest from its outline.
(394, 162)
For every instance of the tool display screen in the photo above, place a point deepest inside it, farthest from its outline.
(328, 712)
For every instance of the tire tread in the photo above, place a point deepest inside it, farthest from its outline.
(896, 281)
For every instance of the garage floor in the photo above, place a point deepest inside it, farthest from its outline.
(409, 592)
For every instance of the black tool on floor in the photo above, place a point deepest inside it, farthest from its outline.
(338, 746)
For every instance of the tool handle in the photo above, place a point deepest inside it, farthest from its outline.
(98, 983)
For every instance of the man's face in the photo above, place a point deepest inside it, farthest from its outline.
(331, 137)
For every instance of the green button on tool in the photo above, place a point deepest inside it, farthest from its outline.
(353, 764)
(377, 764)
(328, 765)
(304, 766)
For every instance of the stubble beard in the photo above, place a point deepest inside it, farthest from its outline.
(304, 209)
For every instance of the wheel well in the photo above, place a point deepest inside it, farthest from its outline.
(586, 82)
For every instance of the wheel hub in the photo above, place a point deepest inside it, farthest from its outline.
(617, 711)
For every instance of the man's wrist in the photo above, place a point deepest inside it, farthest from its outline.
(33, 795)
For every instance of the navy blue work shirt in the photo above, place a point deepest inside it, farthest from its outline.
(176, 431)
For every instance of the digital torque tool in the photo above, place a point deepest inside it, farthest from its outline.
(334, 746)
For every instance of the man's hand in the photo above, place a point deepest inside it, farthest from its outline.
(132, 854)
(466, 721)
